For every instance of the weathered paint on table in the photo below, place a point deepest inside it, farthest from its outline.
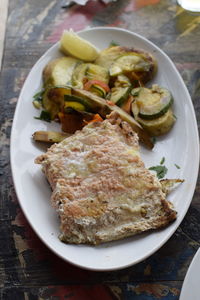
(28, 270)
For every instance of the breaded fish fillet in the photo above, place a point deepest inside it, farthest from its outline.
(101, 188)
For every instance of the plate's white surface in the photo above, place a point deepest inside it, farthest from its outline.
(180, 146)
(191, 284)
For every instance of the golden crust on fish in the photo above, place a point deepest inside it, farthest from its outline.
(101, 188)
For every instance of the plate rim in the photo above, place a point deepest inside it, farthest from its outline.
(173, 229)
(188, 274)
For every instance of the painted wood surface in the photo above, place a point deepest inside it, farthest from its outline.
(28, 270)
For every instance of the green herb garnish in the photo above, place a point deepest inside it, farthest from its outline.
(45, 116)
(160, 170)
(153, 139)
(178, 167)
(162, 161)
(37, 99)
(38, 96)
(113, 43)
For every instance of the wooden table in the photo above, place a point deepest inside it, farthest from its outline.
(28, 270)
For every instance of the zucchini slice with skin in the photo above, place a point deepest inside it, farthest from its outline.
(59, 71)
(143, 65)
(97, 72)
(158, 126)
(152, 103)
(53, 99)
(77, 103)
(119, 95)
(74, 105)
(98, 90)
(122, 81)
(88, 71)
(129, 62)
(78, 75)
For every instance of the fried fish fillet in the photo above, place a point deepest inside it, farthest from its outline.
(101, 188)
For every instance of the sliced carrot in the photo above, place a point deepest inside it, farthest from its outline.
(102, 84)
(127, 105)
(96, 118)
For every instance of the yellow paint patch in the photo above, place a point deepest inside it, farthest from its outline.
(191, 26)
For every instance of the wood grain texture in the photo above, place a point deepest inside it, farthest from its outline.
(3, 20)
(28, 269)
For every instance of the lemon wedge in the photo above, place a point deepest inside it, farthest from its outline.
(72, 44)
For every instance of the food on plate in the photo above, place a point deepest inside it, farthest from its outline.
(85, 72)
(100, 82)
(137, 64)
(101, 188)
(152, 102)
(103, 107)
(59, 71)
(75, 120)
(72, 44)
(158, 126)
(53, 99)
(152, 108)
(49, 136)
(120, 91)
(169, 184)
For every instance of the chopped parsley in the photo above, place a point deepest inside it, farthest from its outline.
(38, 96)
(45, 116)
(153, 139)
(113, 43)
(160, 170)
(162, 161)
(178, 167)
(37, 99)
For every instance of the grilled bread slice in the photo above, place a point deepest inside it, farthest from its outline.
(101, 188)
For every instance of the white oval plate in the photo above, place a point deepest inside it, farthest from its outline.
(179, 147)
(191, 284)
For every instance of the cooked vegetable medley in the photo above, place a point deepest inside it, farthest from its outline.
(76, 92)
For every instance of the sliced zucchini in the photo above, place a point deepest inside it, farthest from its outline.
(122, 81)
(59, 71)
(98, 90)
(152, 103)
(93, 103)
(121, 90)
(103, 108)
(97, 72)
(119, 95)
(158, 126)
(53, 99)
(108, 56)
(135, 63)
(78, 75)
(129, 62)
(88, 71)
(77, 103)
